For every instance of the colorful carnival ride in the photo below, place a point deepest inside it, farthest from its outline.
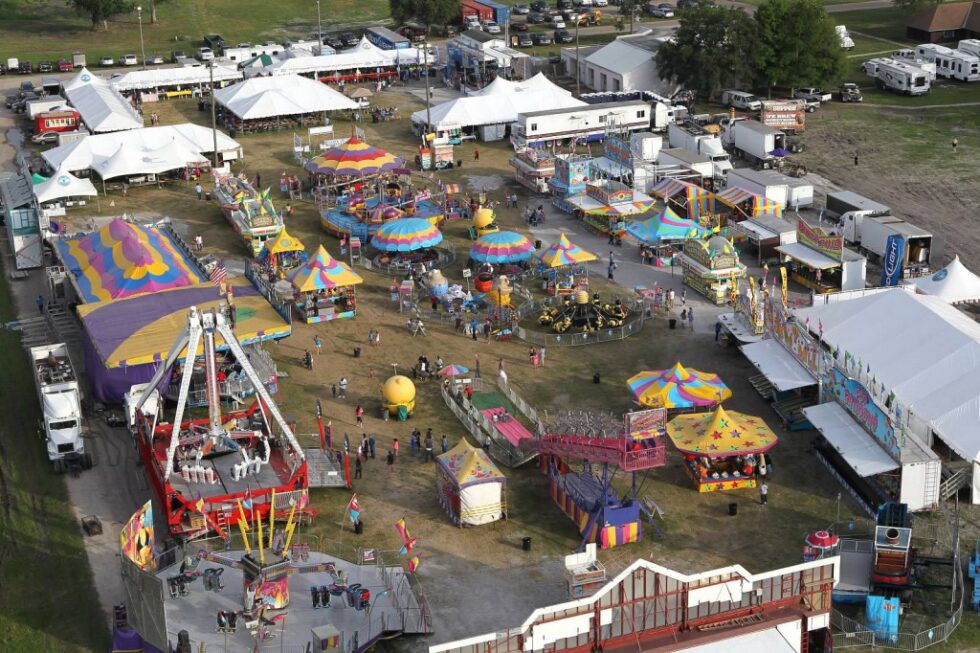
(324, 288)
(281, 254)
(580, 313)
(204, 471)
(563, 267)
(406, 242)
(249, 211)
(678, 388)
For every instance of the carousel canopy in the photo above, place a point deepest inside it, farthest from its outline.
(666, 225)
(353, 158)
(323, 272)
(284, 243)
(720, 433)
(954, 284)
(406, 235)
(501, 247)
(565, 252)
(678, 387)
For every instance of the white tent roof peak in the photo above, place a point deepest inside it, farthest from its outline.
(954, 284)
(63, 184)
(83, 77)
(283, 95)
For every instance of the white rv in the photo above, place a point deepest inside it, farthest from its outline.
(897, 76)
(585, 124)
(950, 63)
(910, 57)
(969, 46)
(846, 41)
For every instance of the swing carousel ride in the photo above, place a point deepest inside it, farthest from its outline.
(581, 313)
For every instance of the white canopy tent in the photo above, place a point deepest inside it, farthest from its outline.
(954, 284)
(918, 347)
(501, 86)
(194, 140)
(363, 57)
(179, 76)
(287, 95)
(63, 184)
(131, 161)
(474, 111)
(102, 108)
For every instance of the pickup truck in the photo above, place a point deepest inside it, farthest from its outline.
(850, 92)
(812, 94)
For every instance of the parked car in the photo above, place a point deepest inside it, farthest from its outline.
(524, 40)
(177, 55)
(584, 3)
(740, 100)
(814, 94)
(27, 87)
(215, 42)
(154, 60)
(541, 38)
(539, 5)
(45, 137)
(535, 19)
(45, 67)
(205, 54)
(600, 3)
(491, 27)
(65, 66)
(25, 68)
(519, 27)
(563, 36)
(350, 39)
(106, 60)
(334, 42)
(571, 16)
(413, 34)
(850, 92)
(521, 9)
(660, 11)
(472, 21)
(687, 4)
(558, 22)
(129, 60)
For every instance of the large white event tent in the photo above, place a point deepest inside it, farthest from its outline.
(499, 103)
(954, 284)
(188, 140)
(101, 107)
(291, 95)
(364, 57)
(63, 184)
(182, 76)
(918, 355)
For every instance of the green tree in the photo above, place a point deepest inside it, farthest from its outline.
(915, 6)
(428, 12)
(712, 49)
(796, 44)
(100, 11)
(629, 8)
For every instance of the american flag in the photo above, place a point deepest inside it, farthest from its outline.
(218, 274)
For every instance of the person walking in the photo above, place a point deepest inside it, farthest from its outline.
(717, 330)
(308, 360)
(346, 443)
(764, 494)
(414, 443)
(855, 158)
(372, 443)
(541, 355)
(610, 270)
(683, 317)
(474, 328)
(683, 296)
(487, 329)
(359, 414)
(444, 445)
(395, 447)
(476, 154)
(40, 304)
(459, 322)
(690, 318)
(317, 344)
(955, 145)
(199, 190)
(391, 458)
(199, 243)
(428, 448)
(476, 370)
(358, 466)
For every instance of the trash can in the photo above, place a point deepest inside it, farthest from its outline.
(526, 543)
(357, 352)
(733, 509)
(359, 526)
(537, 244)
(672, 323)
(596, 378)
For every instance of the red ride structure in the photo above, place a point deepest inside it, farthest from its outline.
(208, 471)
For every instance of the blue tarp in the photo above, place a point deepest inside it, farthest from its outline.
(882, 617)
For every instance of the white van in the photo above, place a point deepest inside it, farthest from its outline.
(741, 100)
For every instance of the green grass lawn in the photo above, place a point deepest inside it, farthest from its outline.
(886, 23)
(47, 29)
(47, 599)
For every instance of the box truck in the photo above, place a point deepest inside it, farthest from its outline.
(585, 124)
(875, 235)
(754, 142)
(681, 158)
(61, 406)
(775, 186)
(694, 138)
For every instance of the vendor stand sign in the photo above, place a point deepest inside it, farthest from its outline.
(136, 541)
(618, 150)
(817, 239)
(792, 335)
(859, 404)
(642, 424)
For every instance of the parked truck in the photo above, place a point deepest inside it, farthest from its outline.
(78, 59)
(754, 142)
(897, 76)
(846, 41)
(878, 235)
(695, 138)
(680, 158)
(774, 186)
(60, 400)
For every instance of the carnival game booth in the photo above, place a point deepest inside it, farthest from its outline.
(954, 284)
(764, 233)
(533, 169)
(607, 206)
(265, 104)
(711, 267)
(563, 267)
(722, 449)
(326, 288)
(678, 388)
(735, 204)
(249, 211)
(663, 233)
(405, 243)
(281, 254)
(571, 174)
(819, 261)
(686, 198)
(471, 488)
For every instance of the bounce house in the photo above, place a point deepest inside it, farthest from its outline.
(471, 488)
(398, 396)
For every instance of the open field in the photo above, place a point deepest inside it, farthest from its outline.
(49, 30)
(47, 599)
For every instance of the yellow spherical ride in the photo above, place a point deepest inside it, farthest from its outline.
(398, 393)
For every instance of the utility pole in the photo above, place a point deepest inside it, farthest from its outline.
(214, 120)
(428, 101)
(319, 26)
(578, 70)
(139, 18)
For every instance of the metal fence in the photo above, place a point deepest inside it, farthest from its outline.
(519, 403)
(483, 432)
(283, 307)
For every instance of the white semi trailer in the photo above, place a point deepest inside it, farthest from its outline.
(60, 400)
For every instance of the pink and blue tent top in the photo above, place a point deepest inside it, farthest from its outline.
(406, 235)
(694, 198)
(501, 247)
(123, 259)
(734, 196)
(665, 226)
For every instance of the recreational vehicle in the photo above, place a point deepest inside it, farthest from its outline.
(910, 57)
(969, 46)
(897, 76)
(950, 63)
(584, 124)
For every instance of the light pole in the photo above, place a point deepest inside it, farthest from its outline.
(428, 103)
(578, 70)
(319, 26)
(139, 18)
(214, 121)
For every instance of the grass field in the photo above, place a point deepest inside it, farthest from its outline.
(47, 29)
(47, 599)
